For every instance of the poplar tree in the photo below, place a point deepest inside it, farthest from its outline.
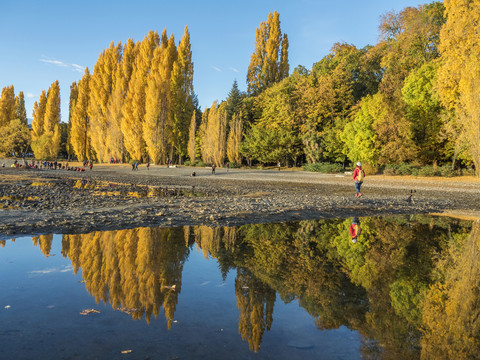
(101, 87)
(192, 145)
(7, 105)
(115, 139)
(38, 116)
(134, 107)
(182, 91)
(269, 61)
(46, 132)
(284, 67)
(80, 122)
(51, 124)
(458, 74)
(202, 136)
(234, 139)
(20, 111)
(156, 105)
(71, 106)
(214, 144)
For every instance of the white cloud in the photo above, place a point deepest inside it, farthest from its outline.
(233, 69)
(30, 95)
(78, 68)
(216, 69)
(67, 268)
(73, 67)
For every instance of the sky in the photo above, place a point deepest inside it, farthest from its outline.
(44, 41)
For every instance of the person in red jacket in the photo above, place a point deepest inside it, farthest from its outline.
(358, 175)
(355, 229)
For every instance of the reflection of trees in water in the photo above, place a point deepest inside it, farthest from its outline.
(45, 243)
(133, 269)
(405, 278)
(451, 313)
(255, 301)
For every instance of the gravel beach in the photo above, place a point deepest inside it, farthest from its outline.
(109, 197)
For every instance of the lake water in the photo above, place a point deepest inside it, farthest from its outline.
(407, 288)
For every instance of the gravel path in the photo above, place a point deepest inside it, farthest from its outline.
(115, 197)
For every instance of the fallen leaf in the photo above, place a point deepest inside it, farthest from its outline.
(7, 307)
(126, 351)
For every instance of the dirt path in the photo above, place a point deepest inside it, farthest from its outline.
(115, 197)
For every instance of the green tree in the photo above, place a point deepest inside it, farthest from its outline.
(234, 101)
(424, 111)
(359, 135)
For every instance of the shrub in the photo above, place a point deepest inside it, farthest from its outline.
(324, 168)
(446, 171)
(370, 169)
(187, 163)
(199, 163)
(390, 169)
(427, 171)
(406, 169)
(468, 172)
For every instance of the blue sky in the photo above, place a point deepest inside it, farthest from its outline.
(44, 41)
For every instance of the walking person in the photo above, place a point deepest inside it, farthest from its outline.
(213, 169)
(358, 175)
(228, 166)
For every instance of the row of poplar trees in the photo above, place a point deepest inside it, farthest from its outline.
(137, 104)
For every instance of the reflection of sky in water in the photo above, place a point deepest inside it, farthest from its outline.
(46, 299)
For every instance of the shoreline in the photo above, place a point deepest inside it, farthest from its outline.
(112, 197)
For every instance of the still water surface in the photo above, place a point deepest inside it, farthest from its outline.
(407, 288)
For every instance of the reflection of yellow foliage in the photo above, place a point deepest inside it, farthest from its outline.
(452, 308)
(255, 301)
(2, 243)
(131, 269)
(45, 242)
